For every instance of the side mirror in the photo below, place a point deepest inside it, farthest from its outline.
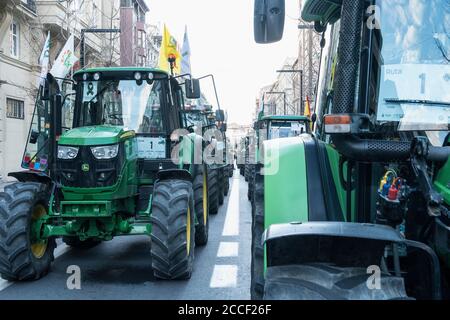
(223, 128)
(268, 20)
(220, 115)
(34, 135)
(314, 118)
(193, 89)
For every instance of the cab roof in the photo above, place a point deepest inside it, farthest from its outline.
(116, 69)
(285, 118)
(323, 11)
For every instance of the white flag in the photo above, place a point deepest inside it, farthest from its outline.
(65, 60)
(44, 59)
(186, 55)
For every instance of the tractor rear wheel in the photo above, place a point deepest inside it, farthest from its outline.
(22, 255)
(251, 182)
(325, 281)
(221, 185)
(201, 207)
(173, 230)
(213, 191)
(257, 249)
(226, 186)
(75, 242)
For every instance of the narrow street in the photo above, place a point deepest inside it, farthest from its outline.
(121, 269)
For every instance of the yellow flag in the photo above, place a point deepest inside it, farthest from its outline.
(169, 49)
(307, 112)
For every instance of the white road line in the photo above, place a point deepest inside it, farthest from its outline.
(224, 276)
(231, 226)
(228, 249)
(59, 251)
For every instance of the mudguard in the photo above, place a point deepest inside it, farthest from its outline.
(342, 243)
(180, 174)
(31, 176)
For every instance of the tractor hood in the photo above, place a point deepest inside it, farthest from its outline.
(96, 135)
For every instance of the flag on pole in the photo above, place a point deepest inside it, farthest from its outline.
(44, 60)
(65, 60)
(169, 49)
(307, 112)
(186, 54)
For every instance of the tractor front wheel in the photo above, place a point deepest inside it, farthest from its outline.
(326, 281)
(173, 230)
(23, 256)
(257, 249)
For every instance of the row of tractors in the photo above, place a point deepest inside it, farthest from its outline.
(105, 160)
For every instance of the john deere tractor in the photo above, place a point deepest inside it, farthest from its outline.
(359, 209)
(101, 163)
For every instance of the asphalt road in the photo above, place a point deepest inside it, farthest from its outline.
(121, 268)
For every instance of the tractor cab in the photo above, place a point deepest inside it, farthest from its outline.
(283, 126)
(109, 107)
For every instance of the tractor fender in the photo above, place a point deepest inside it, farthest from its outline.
(179, 174)
(31, 176)
(342, 243)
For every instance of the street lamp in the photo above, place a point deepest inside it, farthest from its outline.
(301, 83)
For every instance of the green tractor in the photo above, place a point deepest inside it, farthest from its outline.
(273, 127)
(101, 163)
(203, 123)
(359, 209)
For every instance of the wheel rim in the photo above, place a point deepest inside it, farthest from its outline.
(38, 248)
(205, 200)
(188, 231)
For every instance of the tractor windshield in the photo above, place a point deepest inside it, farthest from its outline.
(195, 118)
(285, 129)
(126, 103)
(413, 64)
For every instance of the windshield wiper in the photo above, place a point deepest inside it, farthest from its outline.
(412, 101)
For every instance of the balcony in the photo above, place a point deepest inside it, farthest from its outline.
(57, 18)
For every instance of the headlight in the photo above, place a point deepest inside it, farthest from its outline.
(105, 152)
(67, 153)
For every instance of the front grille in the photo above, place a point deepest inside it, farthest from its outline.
(101, 173)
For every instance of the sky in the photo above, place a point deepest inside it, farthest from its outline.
(221, 39)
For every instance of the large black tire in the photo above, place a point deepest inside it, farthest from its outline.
(213, 191)
(75, 242)
(324, 281)
(246, 172)
(173, 230)
(201, 206)
(257, 249)
(251, 182)
(226, 186)
(20, 257)
(221, 185)
(241, 170)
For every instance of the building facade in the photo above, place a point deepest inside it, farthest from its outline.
(133, 33)
(18, 74)
(24, 25)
